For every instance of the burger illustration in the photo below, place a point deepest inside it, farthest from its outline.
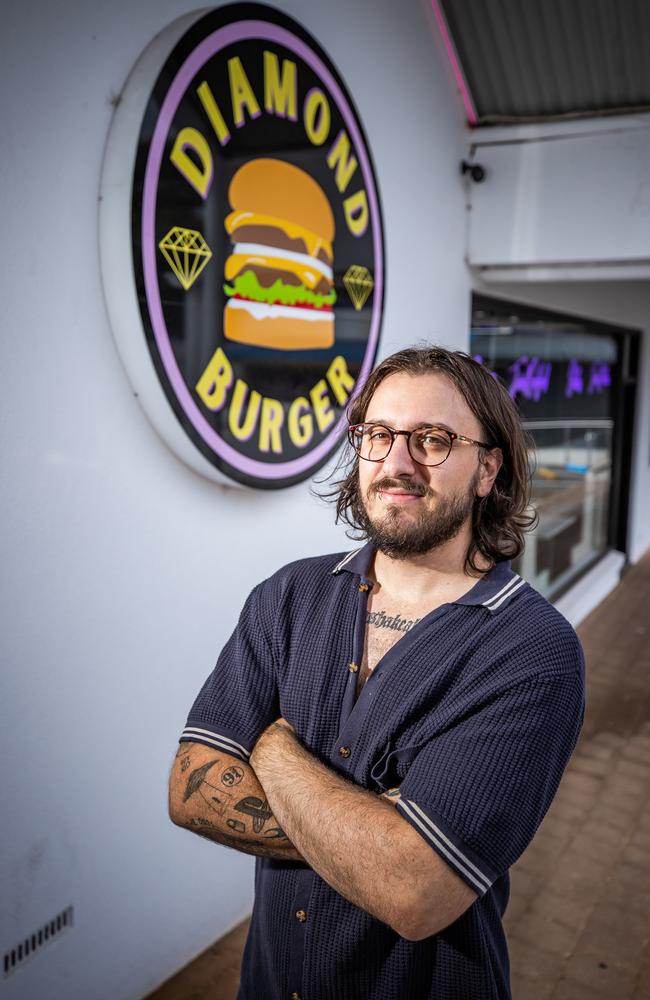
(279, 278)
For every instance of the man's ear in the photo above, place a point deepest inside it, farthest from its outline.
(488, 471)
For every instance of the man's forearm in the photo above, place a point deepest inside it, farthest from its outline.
(354, 840)
(220, 798)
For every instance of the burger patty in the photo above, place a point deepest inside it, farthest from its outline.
(268, 275)
(272, 237)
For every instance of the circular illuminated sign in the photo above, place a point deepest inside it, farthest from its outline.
(256, 245)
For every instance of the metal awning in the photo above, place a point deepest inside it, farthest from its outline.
(531, 60)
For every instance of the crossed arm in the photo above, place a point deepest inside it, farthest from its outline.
(287, 805)
(219, 797)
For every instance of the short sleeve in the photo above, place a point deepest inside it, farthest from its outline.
(240, 698)
(478, 792)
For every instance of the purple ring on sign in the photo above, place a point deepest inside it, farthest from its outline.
(218, 40)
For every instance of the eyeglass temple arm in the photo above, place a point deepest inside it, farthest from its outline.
(461, 437)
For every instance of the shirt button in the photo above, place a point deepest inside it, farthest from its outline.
(363, 587)
(353, 667)
(344, 751)
(301, 916)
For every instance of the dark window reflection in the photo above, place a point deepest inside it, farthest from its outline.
(561, 375)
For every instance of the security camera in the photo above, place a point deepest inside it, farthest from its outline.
(475, 170)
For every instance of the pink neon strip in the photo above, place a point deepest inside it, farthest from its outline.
(470, 110)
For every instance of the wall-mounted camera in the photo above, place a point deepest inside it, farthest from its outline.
(475, 170)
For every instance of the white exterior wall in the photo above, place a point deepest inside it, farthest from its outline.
(124, 571)
(564, 194)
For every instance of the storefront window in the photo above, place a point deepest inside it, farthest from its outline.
(562, 375)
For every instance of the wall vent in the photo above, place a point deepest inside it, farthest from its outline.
(54, 928)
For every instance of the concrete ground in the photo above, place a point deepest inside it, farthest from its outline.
(578, 922)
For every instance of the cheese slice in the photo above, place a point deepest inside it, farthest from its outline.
(298, 264)
(312, 241)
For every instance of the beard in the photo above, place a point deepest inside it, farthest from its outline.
(400, 536)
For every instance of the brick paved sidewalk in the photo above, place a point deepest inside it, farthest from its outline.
(578, 922)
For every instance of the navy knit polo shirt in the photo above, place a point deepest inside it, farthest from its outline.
(474, 713)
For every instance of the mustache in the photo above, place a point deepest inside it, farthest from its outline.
(404, 485)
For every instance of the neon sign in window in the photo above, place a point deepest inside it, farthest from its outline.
(531, 378)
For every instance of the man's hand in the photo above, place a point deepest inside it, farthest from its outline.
(268, 733)
(219, 797)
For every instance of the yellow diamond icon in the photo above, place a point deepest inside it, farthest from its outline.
(186, 252)
(359, 284)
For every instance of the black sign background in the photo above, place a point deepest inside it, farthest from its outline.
(193, 319)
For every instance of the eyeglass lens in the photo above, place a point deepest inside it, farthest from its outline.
(427, 445)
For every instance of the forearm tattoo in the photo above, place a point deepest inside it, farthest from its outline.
(248, 813)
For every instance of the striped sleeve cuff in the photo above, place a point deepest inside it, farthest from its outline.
(464, 862)
(221, 739)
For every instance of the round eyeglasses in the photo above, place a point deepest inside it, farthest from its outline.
(426, 445)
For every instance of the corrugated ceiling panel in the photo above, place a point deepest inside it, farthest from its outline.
(531, 59)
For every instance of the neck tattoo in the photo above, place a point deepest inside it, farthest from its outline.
(381, 620)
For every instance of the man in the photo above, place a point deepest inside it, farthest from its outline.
(386, 729)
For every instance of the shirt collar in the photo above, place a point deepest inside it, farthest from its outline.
(358, 562)
(493, 591)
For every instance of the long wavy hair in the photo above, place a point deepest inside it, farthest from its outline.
(499, 520)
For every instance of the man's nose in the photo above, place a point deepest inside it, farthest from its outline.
(398, 461)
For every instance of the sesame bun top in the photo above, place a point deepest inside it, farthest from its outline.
(269, 187)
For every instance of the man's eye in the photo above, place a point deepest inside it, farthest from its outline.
(432, 440)
(377, 434)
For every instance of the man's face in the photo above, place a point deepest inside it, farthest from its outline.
(412, 508)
